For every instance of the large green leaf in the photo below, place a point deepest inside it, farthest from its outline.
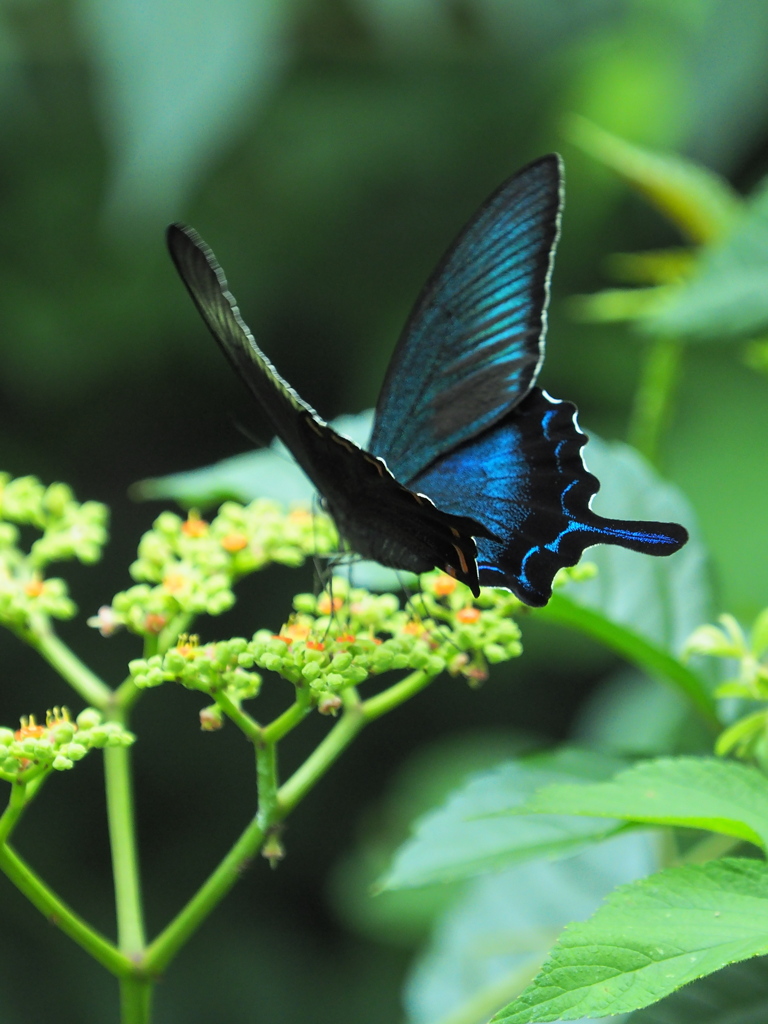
(487, 947)
(695, 792)
(474, 833)
(649, 939)
(631, 715)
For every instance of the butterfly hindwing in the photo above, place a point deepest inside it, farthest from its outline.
(525, 480)
(473, 344)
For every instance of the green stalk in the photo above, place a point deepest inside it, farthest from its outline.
(135, 1000)
(274, 808)
(319, 761)
(93, 690)
(653, 398)
(18, 801)
(168, 943)
(289, 719)
(59, 914)
(249, 727)
(395, 695)
(125, 861)
(266, 774)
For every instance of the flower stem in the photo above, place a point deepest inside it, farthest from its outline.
(168, 943)
(247, 725)
(58, 913)
(136, 1000)
(274, 806)
(289, 719)
(356, 715)
(125, 862)
(395, 695)
(18, 801)
(266, 773)
(93, 690)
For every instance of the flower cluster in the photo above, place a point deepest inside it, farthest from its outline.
(210, 668)
(344, 636)
(189, 566)
(748, 737)
(33, 749)
(68, 529)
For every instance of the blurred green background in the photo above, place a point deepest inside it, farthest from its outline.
(328, 150)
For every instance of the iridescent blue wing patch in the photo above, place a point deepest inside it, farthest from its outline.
(524, 479)
(472, 346)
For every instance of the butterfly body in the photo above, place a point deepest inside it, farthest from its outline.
(471, 468)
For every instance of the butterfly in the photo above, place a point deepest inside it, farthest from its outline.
(471, 468)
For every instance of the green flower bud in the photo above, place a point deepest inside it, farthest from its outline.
(271, 662)
(168, 524)
(9, 535)
(310, 671)
(62, 732)
(75, 751)
(57, 498)
(88, 718)
(219, 603)
(136, 667)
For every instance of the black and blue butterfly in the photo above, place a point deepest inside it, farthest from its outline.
(470, 468)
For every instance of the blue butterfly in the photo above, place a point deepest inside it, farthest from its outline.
(471, 468)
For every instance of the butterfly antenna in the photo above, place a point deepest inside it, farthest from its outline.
(410, 601)
(438, 629)
(250, 435)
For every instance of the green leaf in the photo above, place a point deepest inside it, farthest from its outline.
(472, 833)
(738, 994)
(759, 634)
(661, 599)
(650, 938)
(694, 792)
(727, 294)
(486, 949)
(699, 202)
(613, 305)
(631, 715)
(406, 24)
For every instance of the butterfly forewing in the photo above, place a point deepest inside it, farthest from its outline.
(379, 517)
(474, 342)
(207, 285)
